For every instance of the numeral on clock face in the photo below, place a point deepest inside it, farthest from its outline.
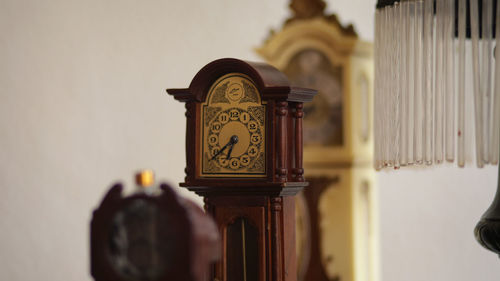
(248, 132)
(233, 131)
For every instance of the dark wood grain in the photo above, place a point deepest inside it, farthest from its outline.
(298, 170)
(289, 251)
(267, 203)
(317, 185)
(281, 99)
(281, 169)
(276, 223)
(193, 234)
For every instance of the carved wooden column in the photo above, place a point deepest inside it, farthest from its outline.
(282, 111)
(190, 138)
(276, 209)
(298, 171)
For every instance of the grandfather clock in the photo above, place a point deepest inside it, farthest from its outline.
(244, 156)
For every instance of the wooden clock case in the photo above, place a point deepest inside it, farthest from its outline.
(266, 205)
(191, 236)
(284, 172)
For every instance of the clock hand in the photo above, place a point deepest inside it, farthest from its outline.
(233, 140)
(229, 152)
(220, 151)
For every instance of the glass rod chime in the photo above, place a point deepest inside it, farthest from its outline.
(421, 102)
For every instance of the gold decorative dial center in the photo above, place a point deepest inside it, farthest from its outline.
(239, 130)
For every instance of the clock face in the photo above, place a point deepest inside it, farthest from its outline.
(233, 129)
(323, 116)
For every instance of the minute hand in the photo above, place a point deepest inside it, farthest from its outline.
(233, 140)
(229, 152)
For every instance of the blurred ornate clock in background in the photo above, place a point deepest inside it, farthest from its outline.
(323, 117)
(337, 236)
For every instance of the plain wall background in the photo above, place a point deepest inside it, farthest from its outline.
(82, 105)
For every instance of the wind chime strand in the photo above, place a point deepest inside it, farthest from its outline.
(421, 101)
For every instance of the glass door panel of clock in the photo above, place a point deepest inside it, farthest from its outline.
(310, 68)
(242, 251)
(233, 135)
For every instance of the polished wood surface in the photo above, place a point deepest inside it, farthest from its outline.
(281, 99)
(315, 270)
(264, 207)
(192, 237)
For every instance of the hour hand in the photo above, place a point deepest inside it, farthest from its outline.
(220, 151)
(231, 142)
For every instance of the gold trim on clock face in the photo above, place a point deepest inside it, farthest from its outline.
(233, 129)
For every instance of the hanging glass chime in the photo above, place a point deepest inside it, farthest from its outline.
(422, 105)
(421, 102)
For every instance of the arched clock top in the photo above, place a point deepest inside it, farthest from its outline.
(271, 83)
(233, 88)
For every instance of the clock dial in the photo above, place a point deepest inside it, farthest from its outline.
(323, 116)
(233, 129)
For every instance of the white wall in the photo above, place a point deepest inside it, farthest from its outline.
(82, 104)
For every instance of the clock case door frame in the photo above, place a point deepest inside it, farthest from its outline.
(283, 108)
(274, 218)
(255, 212)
